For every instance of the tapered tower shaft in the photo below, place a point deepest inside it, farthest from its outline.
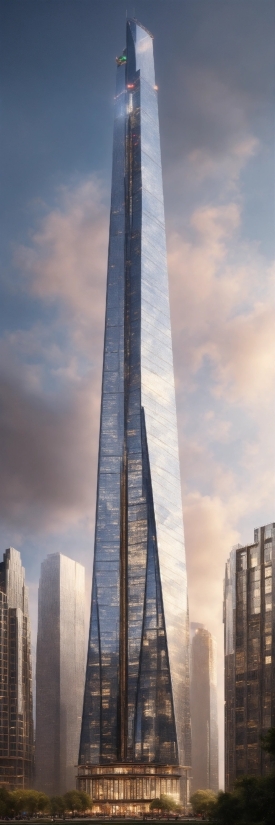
(136, 705)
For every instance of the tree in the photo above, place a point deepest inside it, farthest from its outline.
(256, 795)
(155, 804)
(227, 809)
(168, 803)
(203, 801)
(268, 743)
(31, 802)
(4, 802)
(253, 797)
(57, 805)
(163, 803)
(41, 802)
(252, 801)
(77, 801)
(86, 800)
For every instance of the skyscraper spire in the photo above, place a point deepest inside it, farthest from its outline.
(136, 705)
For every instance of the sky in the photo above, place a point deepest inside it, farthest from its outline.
(214, 63)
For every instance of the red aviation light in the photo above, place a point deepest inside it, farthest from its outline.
(130, 85)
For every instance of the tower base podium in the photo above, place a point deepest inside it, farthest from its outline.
(128, 788)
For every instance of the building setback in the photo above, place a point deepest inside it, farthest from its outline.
(16, 709)
(204, 710)
(249, 639)
(60, 670)
(135, 740)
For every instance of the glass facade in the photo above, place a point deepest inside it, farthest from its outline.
(16, 708)
(136, 706)
(130, 786)
(204, 710)
(249, 620)
(60, 672)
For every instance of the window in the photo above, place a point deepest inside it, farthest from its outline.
(254, 556)
(268, 553)
(268, 602)
(255, 590)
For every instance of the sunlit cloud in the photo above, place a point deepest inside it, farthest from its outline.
(50, 390)
(66, 260)
(222, 305)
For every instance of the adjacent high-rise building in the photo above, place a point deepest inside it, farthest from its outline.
(60, 672)
(204, 710)
(16, 710)
(135, 740)
(249, 639)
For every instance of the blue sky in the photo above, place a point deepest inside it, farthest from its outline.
(215, 71)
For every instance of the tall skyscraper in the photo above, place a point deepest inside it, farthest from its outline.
(60, 672)
(249, 644)
(204, 710)
(135, 740)
(16, 719)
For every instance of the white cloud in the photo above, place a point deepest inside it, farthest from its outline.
(205, 165)
(50, 388)
(222, 305)
(66, 261)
